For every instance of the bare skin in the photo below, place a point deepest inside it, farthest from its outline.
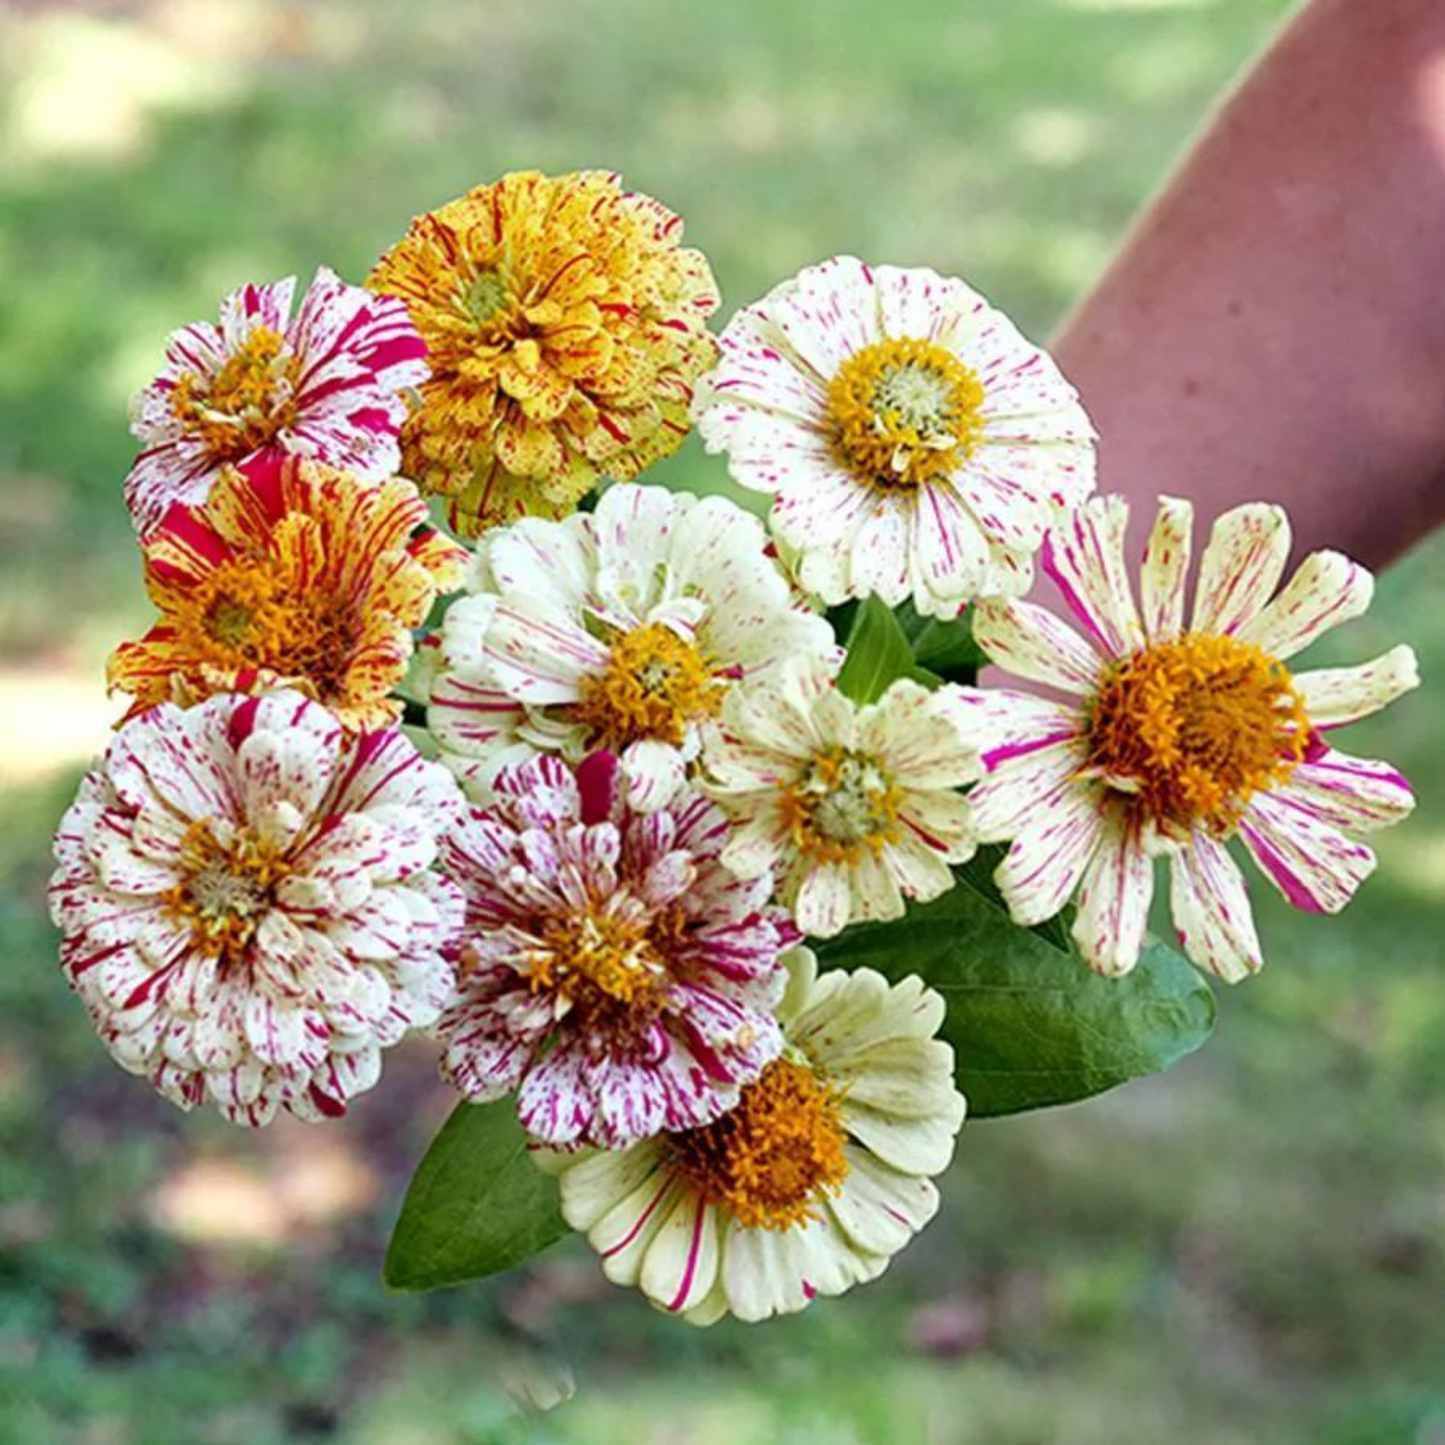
(1274, 327)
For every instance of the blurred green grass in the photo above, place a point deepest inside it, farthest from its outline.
(1247, 1249)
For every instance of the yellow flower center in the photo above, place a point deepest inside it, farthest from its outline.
(841, 804)
(904, 412)
(249, 614)
(246, 403)
(655, 684)
(1195, 726)
(599, 956)
(770, 1160)
(227, 889)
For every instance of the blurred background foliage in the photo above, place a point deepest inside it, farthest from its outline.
(1246, 1249)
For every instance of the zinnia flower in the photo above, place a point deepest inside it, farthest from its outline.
(611, 966)
(246, 903)
(1175, 738)
(855, 807)
(289, 574)
(810, 1185)
(326, 385)
(565, 327)
(621, 629)
(917, 445)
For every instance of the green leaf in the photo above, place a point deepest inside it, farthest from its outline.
(943, 645)
(1031, 1025)
(476, 1205)
(878, 654)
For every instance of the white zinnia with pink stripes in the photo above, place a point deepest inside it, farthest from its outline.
(327, 385)
(612, 970)
(247, 903)
(822, 1173)
(917, 445)
(1174, 737)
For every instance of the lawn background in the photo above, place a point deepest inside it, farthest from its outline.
(1246, 1249)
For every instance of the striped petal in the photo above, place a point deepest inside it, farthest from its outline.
(1084, 554)
(1309, 860)
(1114, 898)
(1164, 573)
(1247, 551)
(1045, 862)
(1210, 906)
(1336, 696)
(1326, 590)
(1356, 795)
(1030, 642)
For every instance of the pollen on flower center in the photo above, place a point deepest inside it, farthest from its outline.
(227, 889)
(770, 1160)
(486, 296)
(247, 616)
(655, 684)
(1196, 726)
(602, 954)
(246, 403)
(841, 804)
(904, 411)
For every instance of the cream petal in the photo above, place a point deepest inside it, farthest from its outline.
(1029, 641)
(1357, 795)
(622, 1236)
(1163, 577)
(878, 1208)
(681, 1263)
(1334, 697)
(1312, 863)
(1047, 859)
(950, 552)
(1001, 725)
(1209, 903)
(1114, 899)
(921, 1146)
(1004, 804)
(1241, 567)
(1327, 589)
(824, 902)
(1084, 554)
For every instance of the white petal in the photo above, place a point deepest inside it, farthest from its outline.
(1336, 696)
(1241, 567)
(1357, 795)
(1164, 573)
(1210, 907)
(1084, 555)
(1029, 641)
(1051, 853)
(1313, 864)
(1325, 591)
(1114, 899)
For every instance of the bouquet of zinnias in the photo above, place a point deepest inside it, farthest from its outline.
(689, 839)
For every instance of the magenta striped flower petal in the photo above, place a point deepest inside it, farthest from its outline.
(1247, 551)
(245, 904)
(1210, 905)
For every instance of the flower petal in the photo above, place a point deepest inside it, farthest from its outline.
(1248, 548)
(1163, 576)
(1326, 590)
(1210, 907)
(1114, 898)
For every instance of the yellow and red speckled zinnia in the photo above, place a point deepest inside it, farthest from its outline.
(564, 326)
(290, 574)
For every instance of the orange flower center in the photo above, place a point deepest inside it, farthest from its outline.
(770, 1160)
(904, 412)
(246, 403)
(249, 614)
(655, 684)
(841, 804)
(599, 956)
(227, 890)
(1196, 726)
